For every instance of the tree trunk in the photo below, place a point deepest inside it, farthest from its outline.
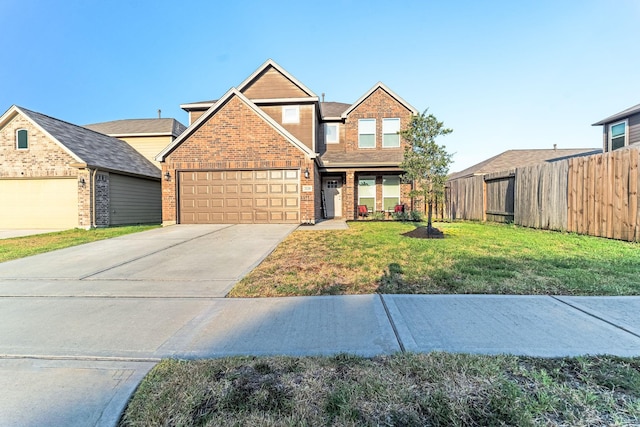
(429, 218)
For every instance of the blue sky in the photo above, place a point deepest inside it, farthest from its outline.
(502, 74)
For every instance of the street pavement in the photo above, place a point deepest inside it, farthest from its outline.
(80, 327)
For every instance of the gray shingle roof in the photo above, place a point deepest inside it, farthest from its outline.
(131, 127)
(518, 158)
(333, 109)
(621, 115)
(95, 149)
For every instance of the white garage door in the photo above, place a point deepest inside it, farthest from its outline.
(235, 196)
(38, 203)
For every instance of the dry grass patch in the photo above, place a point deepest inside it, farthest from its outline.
(435, 389)
(472, 258)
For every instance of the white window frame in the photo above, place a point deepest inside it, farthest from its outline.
(17, 132)
(626, 133)
(368, 178)
(386, 188)
(291, 119)
(389, 129)
(337, 133)
(361, 131)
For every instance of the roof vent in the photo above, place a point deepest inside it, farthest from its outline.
(555, 147)
(159, 113)
(322, 96)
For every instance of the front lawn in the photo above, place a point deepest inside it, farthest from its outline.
(19, 247)
(472, 258)
(436, 389)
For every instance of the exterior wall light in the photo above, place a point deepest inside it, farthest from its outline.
(167, 176)
(82, 182)
(306, 173)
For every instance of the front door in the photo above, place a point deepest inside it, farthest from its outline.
(332, 188)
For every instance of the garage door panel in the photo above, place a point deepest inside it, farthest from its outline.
(240, 196)
(291, 202)
(261, 202)
(292, 216)
(291, 174)
(291, 188)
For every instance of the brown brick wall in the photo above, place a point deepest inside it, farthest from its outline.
(43, 158)
(235, 138)
(379, 105)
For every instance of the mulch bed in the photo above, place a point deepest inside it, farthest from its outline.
(423, 233)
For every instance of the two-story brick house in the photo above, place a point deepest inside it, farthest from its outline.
(271, 151)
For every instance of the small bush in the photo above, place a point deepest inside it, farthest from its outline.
(400, 216)
(416, 216)
(378, 216)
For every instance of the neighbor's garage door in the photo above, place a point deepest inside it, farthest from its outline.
(39, 203)
(231, 197)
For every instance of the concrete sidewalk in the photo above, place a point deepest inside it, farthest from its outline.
(80, 364)
(80, 327)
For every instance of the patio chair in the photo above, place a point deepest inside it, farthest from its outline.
(363, 211)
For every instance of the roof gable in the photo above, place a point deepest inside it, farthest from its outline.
(271, 81)
(379, 86)
(618, 116)
(233, 92)
(89, 147)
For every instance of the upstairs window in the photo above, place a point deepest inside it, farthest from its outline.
(367, 133)
(22, 139)
(390, 135)
(291, 114)
(617, 135)
(331, 133)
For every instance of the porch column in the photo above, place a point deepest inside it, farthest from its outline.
(349, 197)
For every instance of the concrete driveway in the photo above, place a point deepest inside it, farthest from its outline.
(80, 327)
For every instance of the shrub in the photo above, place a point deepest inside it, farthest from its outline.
(416, 216)
(377, 215)
(400, 216)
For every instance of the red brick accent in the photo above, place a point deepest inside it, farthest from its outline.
(236, 137)
(379, 105)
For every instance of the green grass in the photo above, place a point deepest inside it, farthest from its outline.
(21, 247)
(472, 258)
(436, 389)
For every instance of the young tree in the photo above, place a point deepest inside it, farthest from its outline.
(425, 162)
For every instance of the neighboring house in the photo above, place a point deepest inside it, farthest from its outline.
(147, 136)
(270, 151)
(621, 129)
(54, 174)
(512, 159)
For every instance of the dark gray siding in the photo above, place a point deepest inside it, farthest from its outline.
(634, 129)
(134, 200)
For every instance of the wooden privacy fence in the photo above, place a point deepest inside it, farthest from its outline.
(603, 195)
(595, 195)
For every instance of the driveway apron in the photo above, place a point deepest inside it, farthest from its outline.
(80, 327)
